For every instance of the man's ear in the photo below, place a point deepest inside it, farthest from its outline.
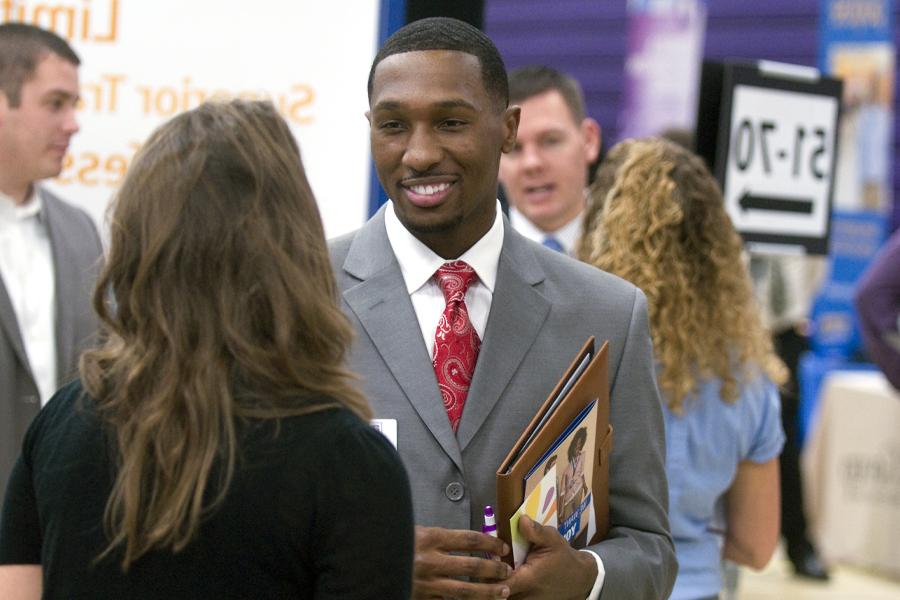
(511, 127)
(591, 135)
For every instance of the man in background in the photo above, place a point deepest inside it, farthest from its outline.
(785, 287)
(49, 250)
(546, 173)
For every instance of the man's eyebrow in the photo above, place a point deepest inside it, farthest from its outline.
(456, 104)
(59, 93)
(388, 105)
(443, 104)
(553, 130)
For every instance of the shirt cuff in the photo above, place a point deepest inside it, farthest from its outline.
(601, 576)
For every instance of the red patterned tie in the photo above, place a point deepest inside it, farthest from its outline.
(456, 342)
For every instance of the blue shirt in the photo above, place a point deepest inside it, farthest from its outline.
(704, 446)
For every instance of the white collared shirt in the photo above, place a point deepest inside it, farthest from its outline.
(567, 235)
(26, 266)
(418, 264)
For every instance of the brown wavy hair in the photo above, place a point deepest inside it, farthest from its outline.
(217, 303)
(659, 221)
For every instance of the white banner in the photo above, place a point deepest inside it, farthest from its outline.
(143, 62)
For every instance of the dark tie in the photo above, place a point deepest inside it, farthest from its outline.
(553, 243)
(456, 342)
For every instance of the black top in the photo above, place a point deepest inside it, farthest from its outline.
(319, 510)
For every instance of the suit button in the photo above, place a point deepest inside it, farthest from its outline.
(455, 491)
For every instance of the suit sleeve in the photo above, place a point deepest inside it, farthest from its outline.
(638, 555)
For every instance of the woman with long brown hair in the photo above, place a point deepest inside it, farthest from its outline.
(657, 219)
(216, 446)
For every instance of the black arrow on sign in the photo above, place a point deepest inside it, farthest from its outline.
(753, 202)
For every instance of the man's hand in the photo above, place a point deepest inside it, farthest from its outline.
(436, 571)
(553, 570)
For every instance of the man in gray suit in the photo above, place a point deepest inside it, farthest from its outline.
(49, 250)
(439, 121)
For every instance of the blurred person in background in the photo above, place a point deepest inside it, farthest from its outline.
(216, 445)
(785, 287)
(878, 304)
(49, 250)
(658, 220)
(545, 175)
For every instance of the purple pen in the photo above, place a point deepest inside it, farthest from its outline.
(490, 524)
(490, 527)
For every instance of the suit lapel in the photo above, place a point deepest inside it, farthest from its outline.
(382, 305)
(65, 284)
(10, 325)
(518, 312)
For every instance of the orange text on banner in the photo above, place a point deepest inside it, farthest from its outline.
(70, 22)
(168, 100)
(90, 168)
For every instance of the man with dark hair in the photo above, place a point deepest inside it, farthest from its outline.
(464, 327)
(445, 34)
(546, 173)
(49, 250)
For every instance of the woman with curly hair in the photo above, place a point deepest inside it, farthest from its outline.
(657, 219)
(215, 446)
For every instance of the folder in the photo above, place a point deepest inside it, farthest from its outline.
(586, 380)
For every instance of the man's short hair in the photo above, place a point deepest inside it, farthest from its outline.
(444, 33)
(527, 82)
(22, 47)
(679, 135)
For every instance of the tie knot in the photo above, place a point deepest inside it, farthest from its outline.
(454, 278)
(553, 243)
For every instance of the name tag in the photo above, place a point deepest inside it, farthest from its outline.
(387, 427)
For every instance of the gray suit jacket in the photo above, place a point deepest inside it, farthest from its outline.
(76, 258)
(544, 307)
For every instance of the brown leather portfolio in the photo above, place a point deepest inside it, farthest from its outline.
(543, 430)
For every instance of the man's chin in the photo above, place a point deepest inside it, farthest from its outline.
(51, 169)
(429, 227)
(542, 220)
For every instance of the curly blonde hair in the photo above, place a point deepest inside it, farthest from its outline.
(658, 220)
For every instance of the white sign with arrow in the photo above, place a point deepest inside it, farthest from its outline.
(779, 171)
(770, 132)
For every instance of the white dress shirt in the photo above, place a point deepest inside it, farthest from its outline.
(567, 235)
(418, 264)
(26, 266)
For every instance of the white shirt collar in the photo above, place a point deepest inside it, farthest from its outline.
(11, 212)
(567, 235)
(418, 262)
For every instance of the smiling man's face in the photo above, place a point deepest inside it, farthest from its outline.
(436, 137)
